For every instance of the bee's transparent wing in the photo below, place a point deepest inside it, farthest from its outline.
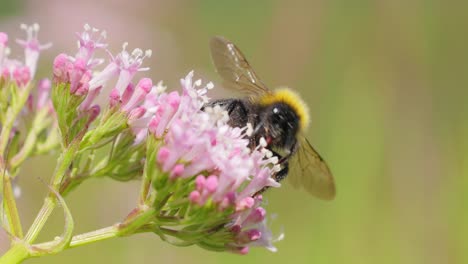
(235, 70)
(309, 171)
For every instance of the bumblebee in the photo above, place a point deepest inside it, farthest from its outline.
(279, 116)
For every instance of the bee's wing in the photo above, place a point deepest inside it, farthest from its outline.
(309, 170)
(235, 70)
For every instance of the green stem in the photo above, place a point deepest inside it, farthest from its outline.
(51, 201)
(64, 163)
(11, 210)
(41, 218)
(69, 184)
(144, 190)
(94, 236)
(6, 130)
(17, 102)
(137, 218)
(152, 147)
(16, 254)
(88, 238)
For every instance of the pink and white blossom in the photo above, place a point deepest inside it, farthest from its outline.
(32, 47)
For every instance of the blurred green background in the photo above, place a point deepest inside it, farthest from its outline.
(387, 86)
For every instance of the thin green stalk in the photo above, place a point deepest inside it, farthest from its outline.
(16, 254)
(69, 184)
(41, 218)
(135, 220)
(11, 210)
(6, 131)
(152, 148)
(79, 240)
(64, 163)
(51, 201)
(144, 190)
(94, 236)
(19, 252)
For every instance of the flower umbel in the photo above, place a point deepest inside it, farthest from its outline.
(202, 155)
(200, 179)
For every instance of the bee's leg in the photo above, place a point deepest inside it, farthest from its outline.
(280, 175)
(292, 151)
(284, 162)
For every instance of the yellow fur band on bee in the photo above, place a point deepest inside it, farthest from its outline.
(287, 96)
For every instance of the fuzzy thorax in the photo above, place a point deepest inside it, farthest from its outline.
(289, 97)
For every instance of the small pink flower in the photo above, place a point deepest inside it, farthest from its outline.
(167, 107)
(248, 236)
(93, 113)
(32, 47)
(79, 76)
(266, 239)
(90, 99)
(124, 65)
(21, 73)
(77, 70)
(176, 171)
(127, 94)
(256, 216)
(136, 113)
(143, 87)
(114, 98)
(147, 122)
(88, 44)
(62, 68)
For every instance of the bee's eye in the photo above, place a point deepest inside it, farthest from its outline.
(275, 110)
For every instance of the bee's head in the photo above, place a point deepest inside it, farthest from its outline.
(279, 125)
(284, 115)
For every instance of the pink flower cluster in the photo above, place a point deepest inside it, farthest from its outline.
(229, 174)
(77, 70)
(22, 72)
(137, 101)
(196, 144)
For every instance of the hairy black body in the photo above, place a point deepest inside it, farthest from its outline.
(277, 123)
